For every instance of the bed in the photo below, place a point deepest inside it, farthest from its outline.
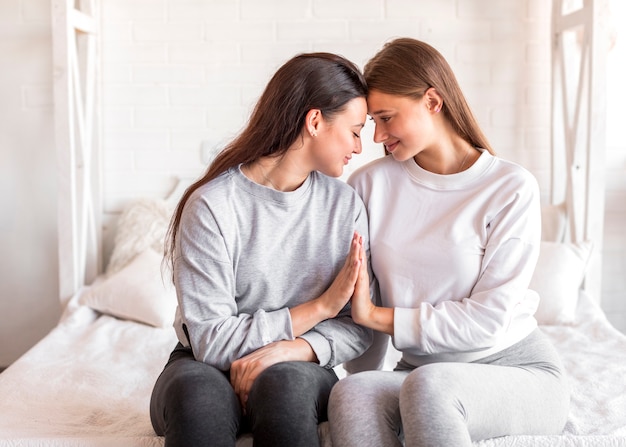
(88, 382)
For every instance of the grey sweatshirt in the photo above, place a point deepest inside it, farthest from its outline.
(245, 254)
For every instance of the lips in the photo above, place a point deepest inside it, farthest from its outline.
(391, 146)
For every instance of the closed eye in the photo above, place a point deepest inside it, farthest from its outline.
(384, 119)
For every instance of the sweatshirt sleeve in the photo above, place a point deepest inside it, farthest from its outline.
(338, 339)
(499, 294)
(205, 283)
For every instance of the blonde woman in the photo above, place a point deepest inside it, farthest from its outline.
(454, 237)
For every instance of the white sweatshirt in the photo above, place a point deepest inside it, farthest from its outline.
(453, 255)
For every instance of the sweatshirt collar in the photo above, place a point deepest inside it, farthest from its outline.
(450, 181)
(270, 194)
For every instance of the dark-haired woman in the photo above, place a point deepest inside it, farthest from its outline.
(454, 234)
(265, 260)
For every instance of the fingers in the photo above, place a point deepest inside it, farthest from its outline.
(236, 375)
(348, 274)
(362, 256)
(361, 287)
(342, 288)
(354, 257)
(243, 373)
(361, 299)
(353, 254)
(245, 370)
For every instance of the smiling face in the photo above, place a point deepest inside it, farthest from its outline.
(337, 139)
(404, 125)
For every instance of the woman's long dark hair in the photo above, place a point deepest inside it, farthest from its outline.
(323, 81)
(409, 67)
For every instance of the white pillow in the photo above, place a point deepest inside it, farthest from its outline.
(557, 279)
(143, 224)
(553, 223)
(136, 292)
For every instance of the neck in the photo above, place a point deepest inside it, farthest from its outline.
(274, 173)
(447, 157)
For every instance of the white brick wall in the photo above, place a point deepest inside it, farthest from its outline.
(177, 72)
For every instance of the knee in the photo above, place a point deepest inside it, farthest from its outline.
(276, 380)
(286, 385)
(285, 374)
(290, 397)
(192, 391)
(365, 391)
(432, 388)
(193, 402)
(194, 383)
(340, 400)
(363, 409)
(348, 390)
(428, 381)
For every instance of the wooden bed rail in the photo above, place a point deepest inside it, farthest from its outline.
(76, 99)
(579, 51)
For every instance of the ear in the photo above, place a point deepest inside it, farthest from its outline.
(433, 100)
(312, 121)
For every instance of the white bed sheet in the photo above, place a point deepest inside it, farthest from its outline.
(88, 383)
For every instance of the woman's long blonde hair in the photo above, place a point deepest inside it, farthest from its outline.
(409, 67)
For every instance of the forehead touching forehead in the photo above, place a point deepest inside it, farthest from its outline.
(353, 113)
(379, 103)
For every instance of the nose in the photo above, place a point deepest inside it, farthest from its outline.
(379, 134)
(358, 148)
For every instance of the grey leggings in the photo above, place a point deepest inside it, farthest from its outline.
(193, 404)
(521, 390)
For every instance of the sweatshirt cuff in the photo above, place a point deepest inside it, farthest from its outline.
(276, 325)
(406, 329)
(320, 346)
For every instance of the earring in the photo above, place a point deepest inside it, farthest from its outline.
(313, 134)
(437, 109)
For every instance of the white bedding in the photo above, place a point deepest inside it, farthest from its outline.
(88, 383)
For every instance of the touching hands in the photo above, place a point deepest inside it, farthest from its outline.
(308, 314)
(342, 288)
(362, 306)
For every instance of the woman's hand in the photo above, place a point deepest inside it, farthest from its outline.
(364, 312)
(244, 371)
(362, 306)
(306, 315)
(342, 288)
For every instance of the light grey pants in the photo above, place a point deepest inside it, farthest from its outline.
(521, 390)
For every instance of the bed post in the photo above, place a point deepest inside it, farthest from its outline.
(579, 48)
(76, 115)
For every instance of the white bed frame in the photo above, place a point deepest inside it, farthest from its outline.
(76, 71)
(579, 51)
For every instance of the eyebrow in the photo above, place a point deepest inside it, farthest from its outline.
(379, 112)
(361, 125)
